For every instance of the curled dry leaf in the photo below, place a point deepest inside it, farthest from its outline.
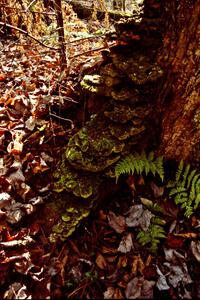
(5, 199)
(173, 256)
(101, 262)
(108, 294)
(138, 287)
(137, 265)
(162, 281)
(116, 222)
(195, 247)
(138, 216)
(157, 190)
(17, 291)
(126, 244)
(15, 210)
(27, 240)
(178, 273)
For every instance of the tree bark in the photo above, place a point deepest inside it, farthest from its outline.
(179, 99)
(61, 35)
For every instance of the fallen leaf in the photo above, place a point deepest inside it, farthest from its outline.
(187, 235)
(157, 190)
(139, 287)
(134, 288)
(138, 216)
(178, 273)
(147, 289)
(137, 265)
(174, 242)
(116, 222)
(195, 247)
(173, 256)
(109, 293)
(126, 244)
(17, 291)
(122, 262)
(101, 262)
(5, 199)
(161, 282)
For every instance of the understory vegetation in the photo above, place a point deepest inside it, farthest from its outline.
(89, 206)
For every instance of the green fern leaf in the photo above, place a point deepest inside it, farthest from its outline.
(139, 163)
(197, 201)
(193, 186)
(190, 177)
(179, 171)
(185, 174)
(151, 156)
(159, 167)
(181, 198)
(177, 190)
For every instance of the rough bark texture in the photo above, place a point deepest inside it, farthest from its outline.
(179, 98)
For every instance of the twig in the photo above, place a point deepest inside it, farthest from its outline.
(89, 51)
(87, 38)
(32, 2)
(29, 35)
(64, 119)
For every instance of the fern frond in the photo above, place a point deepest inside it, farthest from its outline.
(190, 177)
(160, 168)
(197, 201)
(181, 198)
(193, 186)
(185, 174)
(177, 190)
(186, 189)
(179, 171)
(139, 163)
(152, 236)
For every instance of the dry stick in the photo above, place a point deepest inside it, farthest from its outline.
(92, 50)
(64, 119)
(32, 2)
(29, 35)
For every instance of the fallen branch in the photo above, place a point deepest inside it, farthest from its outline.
(29, 35)
(92, 50)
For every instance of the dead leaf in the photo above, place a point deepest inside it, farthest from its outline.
(17, 291)
(157, 190)
(101, 262)
(116, 222)
(109, 293)
(187, 235)
(147, 289)
(118, 294)
(126, 244)
(122, 262)
(173, 256)
(134, 288)
(174, 242)
(161, 282)
(178, 273)
(5, 200)
(27, 240)
(138, 216)
(195, 247)
(110, 250)
(139, 287)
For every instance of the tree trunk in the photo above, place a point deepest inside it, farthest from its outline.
(61, 35)
(179, 99)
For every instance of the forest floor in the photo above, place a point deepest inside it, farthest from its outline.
(103, 258)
